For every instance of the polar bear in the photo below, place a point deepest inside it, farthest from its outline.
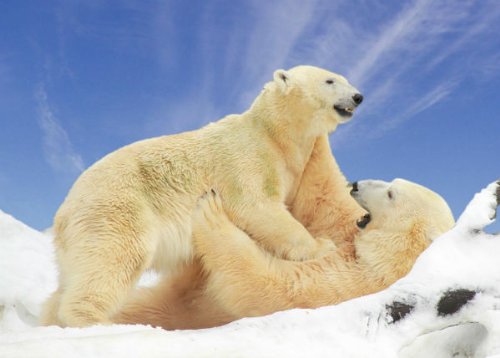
(131, 210)
(235, 278)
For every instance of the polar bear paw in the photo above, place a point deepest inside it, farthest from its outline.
(481, 211)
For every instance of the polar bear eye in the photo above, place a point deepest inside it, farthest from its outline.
(330, 81)
(390, 195)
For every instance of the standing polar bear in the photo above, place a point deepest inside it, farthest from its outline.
(132, 209)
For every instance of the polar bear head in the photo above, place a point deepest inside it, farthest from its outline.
(327, 97)
(403, 218)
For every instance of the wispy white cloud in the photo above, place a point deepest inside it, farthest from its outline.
(238, 58)
(389, 40)
(392, 55)
(382, 48)
(57, 147)
(403, 72)
(272, 41)
(423, 35)
(430, 98)
(254, 49)
(378, 126)
(474, 26)
(424, 102)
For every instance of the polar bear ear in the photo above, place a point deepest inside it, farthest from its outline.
(282, 79)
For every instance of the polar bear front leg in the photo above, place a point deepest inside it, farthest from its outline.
(481, 211)
(242, 278)
(274, 227)
(323, 203)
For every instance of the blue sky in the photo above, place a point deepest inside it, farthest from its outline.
(79, 79)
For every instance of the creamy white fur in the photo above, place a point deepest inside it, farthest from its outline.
(132, 209)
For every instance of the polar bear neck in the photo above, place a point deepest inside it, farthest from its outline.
(285, 120)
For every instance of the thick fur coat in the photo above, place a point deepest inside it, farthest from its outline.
(132, 210)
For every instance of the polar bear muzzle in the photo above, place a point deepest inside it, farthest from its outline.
(365, 219)
(345, 108)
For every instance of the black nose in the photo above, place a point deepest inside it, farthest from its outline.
(357, 98)
(354, 187)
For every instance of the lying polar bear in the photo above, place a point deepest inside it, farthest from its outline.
(235, 278)
(131, 210)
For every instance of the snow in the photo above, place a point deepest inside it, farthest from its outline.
(465, 257)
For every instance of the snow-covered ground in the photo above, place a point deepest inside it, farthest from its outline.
(450, 302)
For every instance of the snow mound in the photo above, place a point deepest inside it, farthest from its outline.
(447, 306)
(27, 271)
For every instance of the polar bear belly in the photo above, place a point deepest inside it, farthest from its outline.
(172, 246)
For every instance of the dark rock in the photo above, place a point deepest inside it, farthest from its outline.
(452, 301)
(398, 310)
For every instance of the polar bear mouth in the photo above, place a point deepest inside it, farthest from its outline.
(345, 112)
(364, 220)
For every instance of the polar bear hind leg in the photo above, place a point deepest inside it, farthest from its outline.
(48, 316)
(91, 297)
